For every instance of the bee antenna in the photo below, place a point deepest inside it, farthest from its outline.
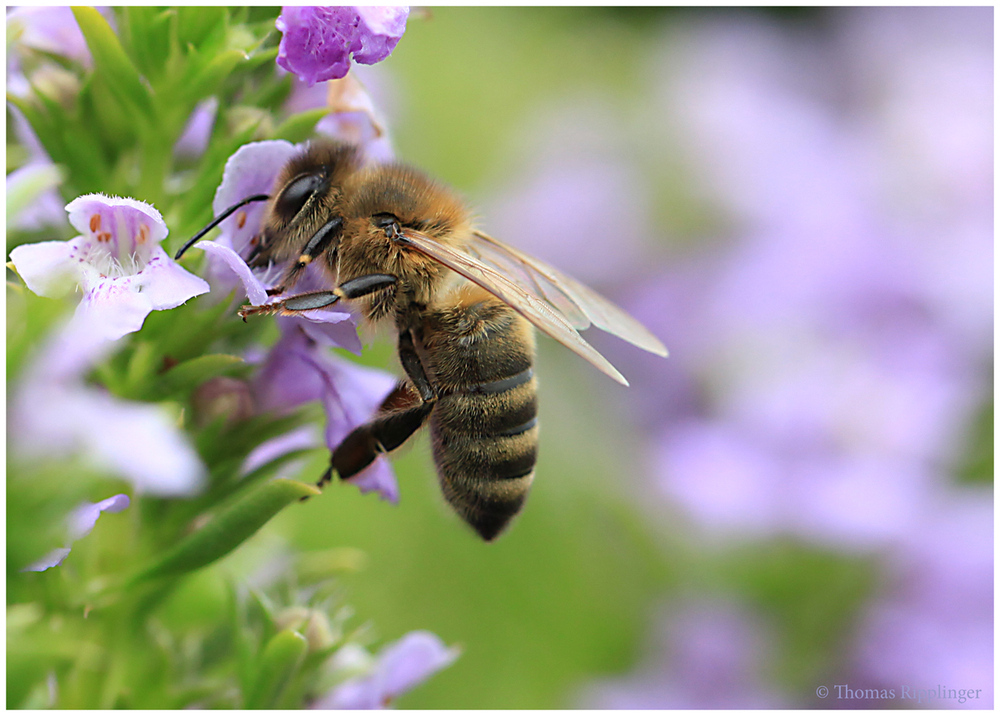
(218, 220)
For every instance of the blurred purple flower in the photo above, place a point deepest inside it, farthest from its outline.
(709, 656)
(353, 113)
(81, 521)
(578, 200)
(33, 201)
(400, 666)
(299, 370)
(198, 130)
(117, 262)
(49, 29)
(829, 382)
(933, 623)
(54, 413)
(304, 438)
(317, 42)
(353, 118)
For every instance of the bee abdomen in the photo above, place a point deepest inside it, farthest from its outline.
(485, 441)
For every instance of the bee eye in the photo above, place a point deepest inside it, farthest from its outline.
(298, 191)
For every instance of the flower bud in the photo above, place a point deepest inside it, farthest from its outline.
(221, 397)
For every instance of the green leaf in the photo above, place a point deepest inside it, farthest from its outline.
(228, 529)
(299, 127)
(207, 80)
(202, 27)
(279, 662)
(59, 136)
(192, 373)
(146, 33)
(111, 62)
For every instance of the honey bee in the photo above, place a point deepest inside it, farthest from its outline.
(463, 305)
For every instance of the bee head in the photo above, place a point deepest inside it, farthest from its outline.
(306, 194)
(388, 199)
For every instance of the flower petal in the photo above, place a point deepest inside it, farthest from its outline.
(166, 283)
(413, 659)
(48, 268)
(400, 666)
(379, 478)
(316, 42)
(331, 328)
(251, 170)
(379, 31)
(194, 139)
(114, 307)
(32, 199)
(231, 261)
(81, 522)
(84, 517)
(131, 223)
(141, 442)
(303, 438)
(52, 559)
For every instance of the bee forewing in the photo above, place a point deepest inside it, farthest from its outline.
(533, 308)
(596, 309)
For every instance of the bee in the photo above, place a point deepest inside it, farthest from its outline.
(464, 307)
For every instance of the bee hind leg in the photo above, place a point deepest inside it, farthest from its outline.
(401, 414)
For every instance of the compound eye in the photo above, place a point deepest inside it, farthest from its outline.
(297, 192)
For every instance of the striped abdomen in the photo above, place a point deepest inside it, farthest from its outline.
(484, 431)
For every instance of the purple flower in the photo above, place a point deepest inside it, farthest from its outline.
(933, 622)
(117, 262)
(81, 521)
(55, 414)
(353, 118)
(48, 29)
(317, 42)
(33, 201)
(834, 362)
(298, 370)
(708, 656)
(571, 160)
(399, 667)
(198, 130)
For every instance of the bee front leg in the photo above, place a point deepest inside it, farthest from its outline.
(354, 288)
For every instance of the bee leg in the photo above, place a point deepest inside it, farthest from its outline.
(384, 434)
(319, 242)
(390, 429)
(360, 447)
(355, 288)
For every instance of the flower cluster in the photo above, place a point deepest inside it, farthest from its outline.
(197, 421)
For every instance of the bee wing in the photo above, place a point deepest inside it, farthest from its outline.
(559, 289)
(535, 309)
